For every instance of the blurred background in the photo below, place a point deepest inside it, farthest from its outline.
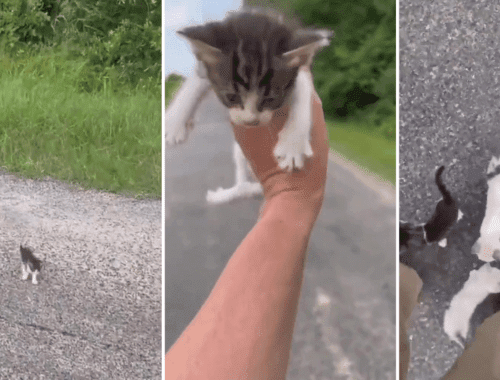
(80, 92)
(355, 77)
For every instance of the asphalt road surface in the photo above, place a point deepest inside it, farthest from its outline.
(345, 327)
(449, 115)
(96, 311)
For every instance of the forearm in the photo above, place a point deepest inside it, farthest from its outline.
(244, 329)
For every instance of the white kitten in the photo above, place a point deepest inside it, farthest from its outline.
(480, 284)
(487, 246)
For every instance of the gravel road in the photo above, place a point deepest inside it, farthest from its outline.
(96, 312)
(449, 115)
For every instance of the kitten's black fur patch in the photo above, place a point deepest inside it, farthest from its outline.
(28, 258)
(444, 216)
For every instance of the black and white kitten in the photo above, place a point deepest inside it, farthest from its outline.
(487, 246)
(256, 62)
(29, 264)
(445, 216)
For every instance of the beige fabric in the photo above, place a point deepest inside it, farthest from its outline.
(480, 360)
(410, 285)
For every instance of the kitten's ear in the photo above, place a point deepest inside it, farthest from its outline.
(305, 44)
(200, 38)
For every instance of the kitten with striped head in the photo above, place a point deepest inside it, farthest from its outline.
(256, 62)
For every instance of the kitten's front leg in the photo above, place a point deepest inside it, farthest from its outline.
(294, 144)
(33, 277)
(180, 113)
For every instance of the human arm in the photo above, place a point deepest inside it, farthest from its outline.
(244, 329)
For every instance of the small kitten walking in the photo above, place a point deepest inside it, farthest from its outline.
(30, 264)
(445, 216)
(487, 246)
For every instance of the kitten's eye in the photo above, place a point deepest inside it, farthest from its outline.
(233, 98)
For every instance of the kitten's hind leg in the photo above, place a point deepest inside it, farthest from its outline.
(26, 273)
(242, 188)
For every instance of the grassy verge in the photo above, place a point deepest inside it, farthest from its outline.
(172, 84)
(105, 136)
(370, 150)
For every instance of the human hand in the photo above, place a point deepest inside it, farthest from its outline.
(304, 187)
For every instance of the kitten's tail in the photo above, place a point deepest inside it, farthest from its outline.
(448, 199)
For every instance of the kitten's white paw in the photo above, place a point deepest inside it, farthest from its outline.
(455, 327)
(25, 276)
(176, 130)
(442, 243)
(486, 250)
(292, 150)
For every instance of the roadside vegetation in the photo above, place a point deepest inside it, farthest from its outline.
(80, 92)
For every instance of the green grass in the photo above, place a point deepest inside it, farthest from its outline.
(369, 149)
(63, 120)
(172, 84)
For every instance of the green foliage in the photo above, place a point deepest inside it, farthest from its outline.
(365, 147)
(104, 139)
(121, 38)
(24, 22)
(117, 39)
(172, 84)
(80, 92)
(357, 75)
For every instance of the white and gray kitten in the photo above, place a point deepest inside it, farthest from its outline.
(30, 264)
(487, 246)
(252, 60)
(481, 283)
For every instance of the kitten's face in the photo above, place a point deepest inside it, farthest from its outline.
(252, 59)
(487, 249)
(250, 93)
